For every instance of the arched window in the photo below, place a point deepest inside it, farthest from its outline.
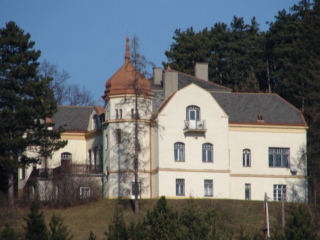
(246, 157)
(66, 156)
(179, 152)
(207, 152)
(193, 113)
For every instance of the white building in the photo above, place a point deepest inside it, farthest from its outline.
(197, 139)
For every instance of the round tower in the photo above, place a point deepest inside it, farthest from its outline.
(127, 130)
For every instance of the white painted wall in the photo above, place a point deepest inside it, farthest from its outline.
(120, 156)
(171, 124)
(260, 175)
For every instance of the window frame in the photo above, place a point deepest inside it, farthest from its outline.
(246, 157)
(95, 156)
(66, 156)
(197, 113)
(23, 173)
(84, 192)
(280, 192)
(133, 189)
(180, 187)
(177, 147)
(247, 186)
(90, 157)
(208, 185)
(118, 113)
(206, 147)
(273, 157)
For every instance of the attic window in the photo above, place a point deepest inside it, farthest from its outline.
(260, 118)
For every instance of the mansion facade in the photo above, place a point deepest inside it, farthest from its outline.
(196, 139)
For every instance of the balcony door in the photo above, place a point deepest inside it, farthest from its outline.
(193, 115)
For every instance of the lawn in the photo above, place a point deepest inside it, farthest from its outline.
(95, 216)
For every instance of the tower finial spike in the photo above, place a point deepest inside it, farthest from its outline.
(127, 57)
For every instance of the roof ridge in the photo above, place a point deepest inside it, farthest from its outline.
(257, 93)
(294, 107)
(75, 106)
(207, 81)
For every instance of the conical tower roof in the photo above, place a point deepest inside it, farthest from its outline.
(125, 80)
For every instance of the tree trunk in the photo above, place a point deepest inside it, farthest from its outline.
(136, 153)
(11, 190)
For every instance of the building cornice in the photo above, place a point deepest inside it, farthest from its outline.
(266, 176)
(128, 120)
(76, 135)
(249, 127)
(154, 171)
(131, 96)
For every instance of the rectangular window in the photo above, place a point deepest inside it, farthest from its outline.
(23, 173)
(90, 157)
(279, 192)
(95, 157)
(133, 189)
(247, 191)
(208, 187)
(119, 113)
(246, 158)
(279, 157)
(85, 192)
(180, 187)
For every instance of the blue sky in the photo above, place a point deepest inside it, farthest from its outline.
(87, 38)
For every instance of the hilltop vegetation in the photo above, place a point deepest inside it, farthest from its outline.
(230, 218)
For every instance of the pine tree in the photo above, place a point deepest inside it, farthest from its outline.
(58, 231)
(300, 225)
(117, 227)
(234, 53)
(26, 103)
(92, 236)
(162, 222)
(8, 233)
(36, 228)
(190, 219)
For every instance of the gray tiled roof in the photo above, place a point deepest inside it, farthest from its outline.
(185, 79)
(245, 107)
(72, 118)
(158, 97)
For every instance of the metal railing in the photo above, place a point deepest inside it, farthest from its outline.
(199, 125)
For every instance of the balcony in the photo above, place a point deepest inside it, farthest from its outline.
(194, 126)
(72, 169)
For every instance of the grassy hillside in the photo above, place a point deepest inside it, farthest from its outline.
(234, 214)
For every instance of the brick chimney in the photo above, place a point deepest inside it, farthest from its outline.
(157, 76)
(201, 71)
(170, 82)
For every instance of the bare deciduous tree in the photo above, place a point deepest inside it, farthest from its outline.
(64, 93)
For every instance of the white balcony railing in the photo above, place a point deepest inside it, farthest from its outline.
(195, 126)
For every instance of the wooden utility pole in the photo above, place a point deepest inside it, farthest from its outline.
(266, 218)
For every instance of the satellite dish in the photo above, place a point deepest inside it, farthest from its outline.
(293, 169)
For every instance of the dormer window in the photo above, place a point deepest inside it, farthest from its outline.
(193, 122)
(193, 113)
